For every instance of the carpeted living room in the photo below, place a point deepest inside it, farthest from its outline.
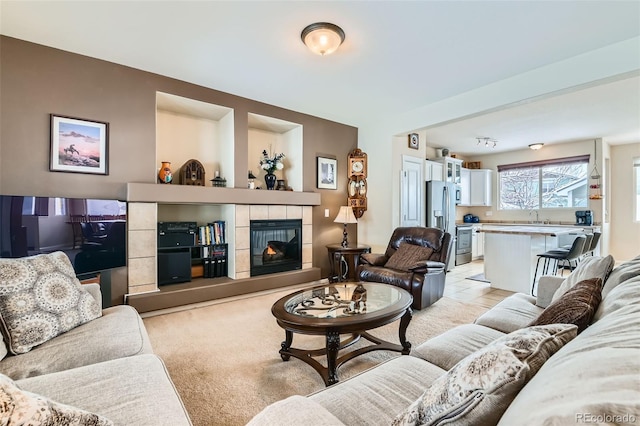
(270, 213)
(238, 342)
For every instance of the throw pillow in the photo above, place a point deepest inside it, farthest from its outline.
(479, 388)
(407, 256)
(40, 298)
(18, 407)
(577, 306)
(589, 267)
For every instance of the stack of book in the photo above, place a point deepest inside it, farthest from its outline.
(215, 264)
(212, 233)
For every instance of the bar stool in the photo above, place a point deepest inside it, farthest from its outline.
(588, 247)
(594, 243)
(558, 255)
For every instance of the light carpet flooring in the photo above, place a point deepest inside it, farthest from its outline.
(223, 357)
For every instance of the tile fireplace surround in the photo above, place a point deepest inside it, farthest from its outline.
(142, 239)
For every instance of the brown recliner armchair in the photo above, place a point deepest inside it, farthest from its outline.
(419, 264)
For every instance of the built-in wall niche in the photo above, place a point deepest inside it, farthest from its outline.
(203, 214)
(275, 136)
(189, 129)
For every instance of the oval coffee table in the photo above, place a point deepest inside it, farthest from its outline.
(342, 308)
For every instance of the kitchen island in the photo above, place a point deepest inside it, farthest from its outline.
(511, 252)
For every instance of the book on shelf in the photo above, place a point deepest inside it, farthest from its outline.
(212, 233)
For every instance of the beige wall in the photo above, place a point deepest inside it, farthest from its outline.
(625, 231)
(37, 81)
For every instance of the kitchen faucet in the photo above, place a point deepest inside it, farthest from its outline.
(537, 218)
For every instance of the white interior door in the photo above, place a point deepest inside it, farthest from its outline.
(412, 186)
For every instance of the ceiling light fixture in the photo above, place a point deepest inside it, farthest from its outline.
(322, 38)
(488, 142)
(536, 146)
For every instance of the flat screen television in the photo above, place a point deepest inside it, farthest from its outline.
(92, 232)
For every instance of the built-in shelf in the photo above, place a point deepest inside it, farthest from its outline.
(185, 194)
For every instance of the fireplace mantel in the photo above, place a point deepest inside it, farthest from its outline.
(185, 194)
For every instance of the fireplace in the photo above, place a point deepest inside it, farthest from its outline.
(276, 246)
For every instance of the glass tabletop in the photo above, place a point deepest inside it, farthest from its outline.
(342, 300)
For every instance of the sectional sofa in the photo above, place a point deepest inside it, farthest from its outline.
(564, 377)
(105, 367)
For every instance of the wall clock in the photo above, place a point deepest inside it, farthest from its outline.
(357, 186)
(414, 140)
(357, 163)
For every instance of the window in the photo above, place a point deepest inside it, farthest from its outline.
(636, 180)
(557, 183)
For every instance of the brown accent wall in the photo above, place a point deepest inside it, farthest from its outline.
(36, 81)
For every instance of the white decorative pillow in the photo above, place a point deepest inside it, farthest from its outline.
(479, 388)
(589, 267)
(18, 407)
(40, 298)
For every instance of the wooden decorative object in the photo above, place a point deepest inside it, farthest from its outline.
(472, 164)
(192, 173)
(357, 186)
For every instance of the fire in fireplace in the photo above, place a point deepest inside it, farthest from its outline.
(276, 246)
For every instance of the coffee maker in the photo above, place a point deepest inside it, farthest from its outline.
(584, 217)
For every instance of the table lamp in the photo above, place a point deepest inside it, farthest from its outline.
(345, 216)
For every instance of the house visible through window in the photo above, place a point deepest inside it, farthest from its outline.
(556, 183)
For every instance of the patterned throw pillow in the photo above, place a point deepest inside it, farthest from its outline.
(407, 256)
(577, 306)
(18, 407)
(40, 298)
(479, 388)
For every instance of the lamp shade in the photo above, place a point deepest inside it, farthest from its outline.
(536, 146)
(322, 38)
(345, 215)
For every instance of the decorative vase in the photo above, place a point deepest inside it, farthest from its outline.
(270, 180)
(164, 174)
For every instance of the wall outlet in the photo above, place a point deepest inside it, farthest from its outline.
(488, 213)
(326, 212)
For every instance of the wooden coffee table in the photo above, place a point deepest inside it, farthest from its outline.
(342, 309)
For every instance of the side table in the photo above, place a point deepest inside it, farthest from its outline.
(339, 257)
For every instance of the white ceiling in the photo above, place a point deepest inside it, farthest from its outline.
(398, 56)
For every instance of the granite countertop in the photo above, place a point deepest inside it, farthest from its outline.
(546, 230)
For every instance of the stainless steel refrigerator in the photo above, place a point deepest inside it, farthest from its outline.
(441, 212)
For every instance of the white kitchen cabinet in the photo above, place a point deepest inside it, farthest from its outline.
(480, 187)
(432, 170)
(452, 168)
(465, 187)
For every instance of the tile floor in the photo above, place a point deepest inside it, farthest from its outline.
(458, 287)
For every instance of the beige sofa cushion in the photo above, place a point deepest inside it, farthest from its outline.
(41, 298)
(447, 349)
(621, 274)
(590, 267)
(512, 313)
(19, 407)
(596, 374)
(478, 389)
(129, 391)
(375, 396)
(295, 410)
(118, 333)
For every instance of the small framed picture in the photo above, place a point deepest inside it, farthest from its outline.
(327, 173)
(79, 145)
(414, 141)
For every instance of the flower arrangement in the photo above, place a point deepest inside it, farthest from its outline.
(271, 164)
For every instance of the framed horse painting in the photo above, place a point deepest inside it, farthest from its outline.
(79, 145)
